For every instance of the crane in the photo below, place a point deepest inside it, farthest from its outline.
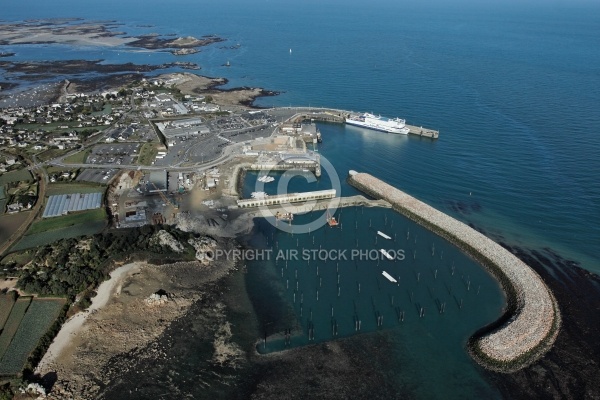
(165, 199)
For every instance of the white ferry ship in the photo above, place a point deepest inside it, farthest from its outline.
(378, 123)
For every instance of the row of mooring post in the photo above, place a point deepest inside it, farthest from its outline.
(357, 323)
(334, 327)
(311, 330)
(288, 337)
(379, 319)
(399, 314)
(442, 307)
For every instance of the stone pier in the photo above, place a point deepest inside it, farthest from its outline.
(531, 322)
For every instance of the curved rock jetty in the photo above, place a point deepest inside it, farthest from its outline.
(531, 322)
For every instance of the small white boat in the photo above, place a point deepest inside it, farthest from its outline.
(389, 277)
(266, 179)
(383, 235)
(258, 195)
(386, 254)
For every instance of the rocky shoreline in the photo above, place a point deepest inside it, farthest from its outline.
(138, 309)
(79, 31)
(529, 326)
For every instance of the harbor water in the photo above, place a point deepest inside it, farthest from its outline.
(328, 284)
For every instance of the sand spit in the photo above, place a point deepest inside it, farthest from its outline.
(532, 321)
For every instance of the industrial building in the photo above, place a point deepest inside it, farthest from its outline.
(156, 182)
(183, 128)
(287, 198)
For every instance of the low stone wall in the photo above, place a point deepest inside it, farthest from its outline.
(531, 322)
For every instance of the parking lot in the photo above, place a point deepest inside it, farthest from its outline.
(115, 153)
(96, 175)
(229, 123)
(248, 133)
(206, 150)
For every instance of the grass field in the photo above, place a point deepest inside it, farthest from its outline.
(12, 323)
(9, 223)
(147, 154)
(44, 238)
(3, 205)
(50, 224)
(54, 127)
(15, 176)
(77, 158)
(50, 154)
(3, 200)
(39, 317)
(21, 258)
(54, 170)
(6, 304)
(76, 187)
(107, 109)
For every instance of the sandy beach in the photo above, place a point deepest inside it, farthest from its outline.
(71, 328)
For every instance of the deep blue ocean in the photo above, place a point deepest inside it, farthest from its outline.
(514, 90)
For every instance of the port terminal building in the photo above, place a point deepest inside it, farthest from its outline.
(280, 199)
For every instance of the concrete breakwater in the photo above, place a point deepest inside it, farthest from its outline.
(531, 322)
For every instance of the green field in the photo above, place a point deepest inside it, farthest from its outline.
(9, 223)
(44, 238)
(107, 109)
(3, 199)
(57, 170)
(6, 304)
(68, 188)
(53, 223)
(77, 158)
(37, 320)
(54, 127)
(15, 176)
(50, 154)
(148, 153)
(20, 258)
(12, 323)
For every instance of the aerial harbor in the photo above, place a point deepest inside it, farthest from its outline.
(235, 200)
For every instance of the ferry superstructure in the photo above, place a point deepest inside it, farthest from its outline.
(379, 123)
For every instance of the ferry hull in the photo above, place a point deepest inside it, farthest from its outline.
(399, 131)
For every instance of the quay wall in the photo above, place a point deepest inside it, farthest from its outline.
(339, 116)
(531, 321)
(319, 205)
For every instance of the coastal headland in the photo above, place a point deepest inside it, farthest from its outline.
(531, 321)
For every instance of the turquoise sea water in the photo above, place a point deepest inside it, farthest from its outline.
(512, 88)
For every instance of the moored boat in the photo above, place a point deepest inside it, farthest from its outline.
(379, 123)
